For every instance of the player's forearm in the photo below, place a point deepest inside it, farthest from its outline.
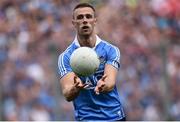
(71, 93)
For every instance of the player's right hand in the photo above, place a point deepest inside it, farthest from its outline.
(78, 83)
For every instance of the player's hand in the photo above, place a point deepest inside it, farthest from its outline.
(78, 83)
(100, 85)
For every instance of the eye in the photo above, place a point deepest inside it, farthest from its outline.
(80, 17)
(89, 16)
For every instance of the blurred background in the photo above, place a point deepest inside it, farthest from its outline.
(33, 33)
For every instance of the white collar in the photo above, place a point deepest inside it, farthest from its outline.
(98, 40)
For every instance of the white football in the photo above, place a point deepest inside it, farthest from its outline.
(84, 61)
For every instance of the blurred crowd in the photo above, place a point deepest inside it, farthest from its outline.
(34, 32)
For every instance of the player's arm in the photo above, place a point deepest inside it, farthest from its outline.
(71, 86)
(108, 80)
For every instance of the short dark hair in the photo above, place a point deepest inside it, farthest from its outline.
(82, 5)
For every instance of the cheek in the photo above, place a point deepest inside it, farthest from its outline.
(93, 23)
(77, 25)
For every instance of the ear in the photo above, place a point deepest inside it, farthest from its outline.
(95, 21)
(73, 22)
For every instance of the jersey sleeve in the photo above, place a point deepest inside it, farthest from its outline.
(114, 57)
(63, 65)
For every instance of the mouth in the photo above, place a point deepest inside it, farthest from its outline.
(85, 27)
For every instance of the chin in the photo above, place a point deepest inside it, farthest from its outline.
(86, 34)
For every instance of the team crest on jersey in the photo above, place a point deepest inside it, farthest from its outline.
(89, 83)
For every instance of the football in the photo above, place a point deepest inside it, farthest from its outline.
(84, 61)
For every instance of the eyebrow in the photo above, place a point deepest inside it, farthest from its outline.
(93, 14)
(85, 14)
(88, 14)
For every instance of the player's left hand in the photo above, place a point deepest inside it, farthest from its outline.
(78, 83)
(100, 85)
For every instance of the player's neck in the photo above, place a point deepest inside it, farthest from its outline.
(88, 41)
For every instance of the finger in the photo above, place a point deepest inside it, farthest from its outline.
(86, 85)
(100, 88)
(75, 79)
(101, 83)
(83, 85)
(96, 90)
(77, 84)
(103, 77)
(80, 85)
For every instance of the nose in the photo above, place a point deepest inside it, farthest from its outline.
(84, 20)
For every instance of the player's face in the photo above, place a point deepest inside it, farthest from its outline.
(84, 21)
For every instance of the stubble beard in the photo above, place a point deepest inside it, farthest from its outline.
(85, 35)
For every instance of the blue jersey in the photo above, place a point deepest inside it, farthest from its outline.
(88, 105)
